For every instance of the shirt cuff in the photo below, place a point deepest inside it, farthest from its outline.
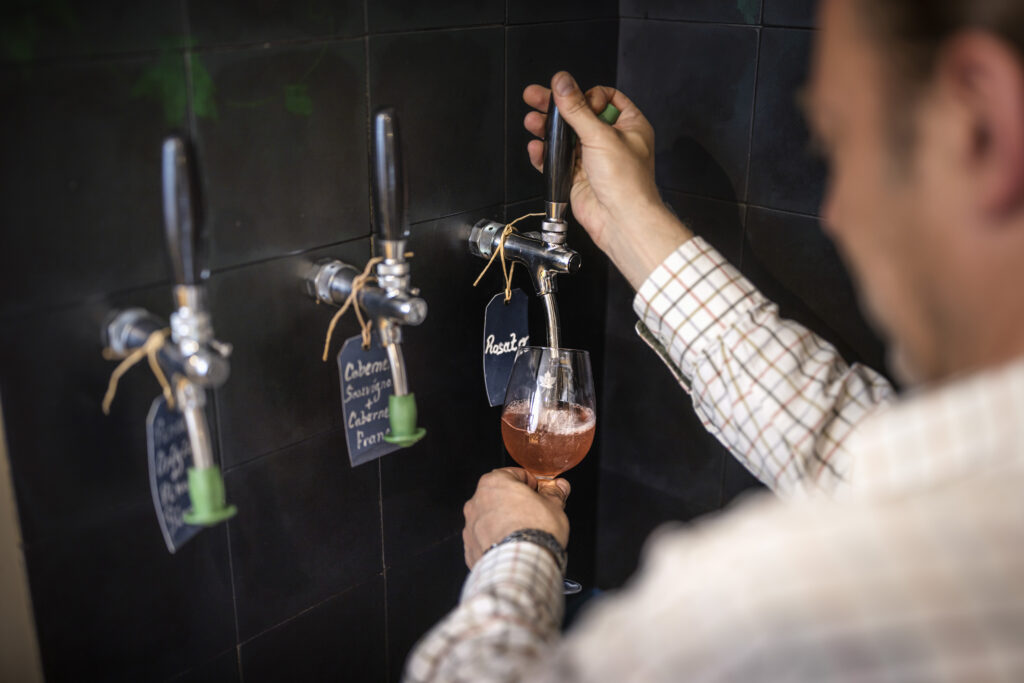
(524, 573)
(691, 299)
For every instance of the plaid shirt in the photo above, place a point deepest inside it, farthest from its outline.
(911, 567)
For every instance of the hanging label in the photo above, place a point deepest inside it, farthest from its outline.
(506, 330)
(170, 457)
(366, 385)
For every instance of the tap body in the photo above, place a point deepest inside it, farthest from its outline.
(544, 259)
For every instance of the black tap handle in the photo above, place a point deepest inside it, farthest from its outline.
(559, 156)
(388, 181)
(181, 212)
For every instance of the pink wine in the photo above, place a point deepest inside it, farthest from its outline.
(556, 442)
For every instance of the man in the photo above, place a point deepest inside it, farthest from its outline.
(897, 548)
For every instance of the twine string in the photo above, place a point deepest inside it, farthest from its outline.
(154, 342)
(506, 271)
(365, 325)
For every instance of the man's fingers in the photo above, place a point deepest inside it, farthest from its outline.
(535, 149)
(534, 122)
(575, 108)
(537, 96)
(557, 489)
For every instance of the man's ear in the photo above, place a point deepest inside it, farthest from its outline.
(986, 77)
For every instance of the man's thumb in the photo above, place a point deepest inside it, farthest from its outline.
(557, 488)
(574, 107)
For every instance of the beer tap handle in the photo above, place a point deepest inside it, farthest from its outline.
(389, 199)
(181, 212)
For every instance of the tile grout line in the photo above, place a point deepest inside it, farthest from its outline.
(750, 149)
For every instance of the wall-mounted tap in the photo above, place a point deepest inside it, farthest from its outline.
(544, 254)
(193, 360)
(392, 303)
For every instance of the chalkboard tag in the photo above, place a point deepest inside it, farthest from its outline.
(170, 456)
(365, 386)
(506, 330)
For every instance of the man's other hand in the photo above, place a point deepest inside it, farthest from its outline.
(509, 499)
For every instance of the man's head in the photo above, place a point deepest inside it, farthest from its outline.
(919, 105)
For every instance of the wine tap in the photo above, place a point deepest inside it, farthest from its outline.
(392, 303)
(193, 360)
(544, 254)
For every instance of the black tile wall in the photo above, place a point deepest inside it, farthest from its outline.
(420, 592)
(111, 604)
(783, 172)
(45, 30)
(535, 11)
(79, 179)
(408, 15)
(239, 21)
(452, 125)
(283, 141)
(695, 84)
(328, 572)
(790, 12)
(308, 527)
(535, 54)
(280, 391)
(742, 11)
(340, 639)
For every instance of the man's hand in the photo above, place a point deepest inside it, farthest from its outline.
(510, 499)
(613, 194)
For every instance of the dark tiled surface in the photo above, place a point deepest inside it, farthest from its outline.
(221, 669)
(341, 639)
(128, 610)
(650, 431)
(239, 21)
(535, 54)
(534, 11)
(444, 353)
(280, 392)
(737, 481)
(68, 231)
(695, 84)
(308, 527)
(446, 87)
(718, 222)
(420, 592)
(627, 513)
(40, 30)
(425, 486)
(783, 173)
(741, 11)
(283, 148)
(407, 15)
(790, 12)
(796, 265)
(71, 465)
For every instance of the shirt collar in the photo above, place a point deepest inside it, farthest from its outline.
(964, 427)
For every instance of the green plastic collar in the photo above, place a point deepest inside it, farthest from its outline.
(610, 114)
(206, 491)
(402, 414)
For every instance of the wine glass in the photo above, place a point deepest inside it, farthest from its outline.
(550, 413)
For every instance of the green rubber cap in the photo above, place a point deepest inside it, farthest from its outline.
(402, 414)
(206, 491)
(610, 114)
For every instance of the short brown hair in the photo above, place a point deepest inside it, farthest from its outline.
(912, 33)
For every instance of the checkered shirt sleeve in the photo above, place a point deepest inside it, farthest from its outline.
(779, 397)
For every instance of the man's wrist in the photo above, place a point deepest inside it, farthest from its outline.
(541, 538)
(655, 233)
